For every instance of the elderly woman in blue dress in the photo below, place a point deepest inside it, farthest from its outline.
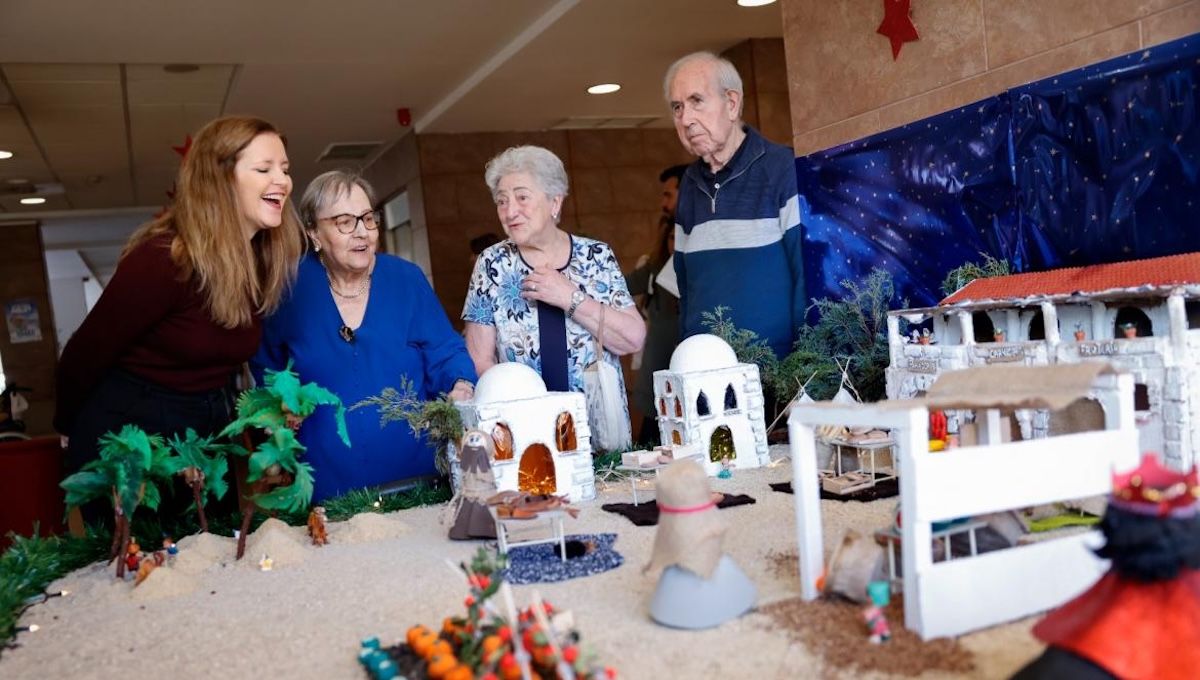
(538, 296)
(356, 322)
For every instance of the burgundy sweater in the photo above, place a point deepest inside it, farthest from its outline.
(155, 326)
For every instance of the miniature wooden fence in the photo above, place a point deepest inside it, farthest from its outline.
(956, 596)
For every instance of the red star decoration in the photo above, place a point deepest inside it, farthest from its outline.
(183, 150)
(897, 25)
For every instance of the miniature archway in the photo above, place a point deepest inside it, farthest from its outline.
(1132, 318)
(1081, 415)
(536, 472)
(667, 386)
(730, 398)
(702, 404)
(675, 438)
(985, 330)
(662, 406)
(720, 445)
(502, 442)
(1037, 326)
(678, 408)
(564, 432)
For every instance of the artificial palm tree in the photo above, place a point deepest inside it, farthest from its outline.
(202, 463)
(277, 478)
(128, 471)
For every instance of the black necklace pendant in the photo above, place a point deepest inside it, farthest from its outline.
(347, 333)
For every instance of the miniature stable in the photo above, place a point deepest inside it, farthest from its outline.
(941, 486)
(707, 397)
(1142, 316)
(541, 442)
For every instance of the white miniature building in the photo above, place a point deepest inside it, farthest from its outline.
(541, 441)
(706, 397)
(1067, 316)
(956, 596)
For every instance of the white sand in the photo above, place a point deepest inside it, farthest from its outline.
(206, 616)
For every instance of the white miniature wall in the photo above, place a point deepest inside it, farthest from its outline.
(513, 394)
(956, 596)
(706, 364)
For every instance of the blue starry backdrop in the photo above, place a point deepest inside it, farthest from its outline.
(1091, 166)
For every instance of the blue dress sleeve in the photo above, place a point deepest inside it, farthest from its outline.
(272, 352)
(443, 349)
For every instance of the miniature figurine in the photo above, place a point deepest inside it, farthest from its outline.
(700, 587)
(148, 564)
(266, 563)
(877, 624)
(133, 555)
(471, 516)
(169, 546)
(316, 525)
(1142, 618)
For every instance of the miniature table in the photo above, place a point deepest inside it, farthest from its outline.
(506, 524)
(638, 473)
(891, 537)
(865, 478)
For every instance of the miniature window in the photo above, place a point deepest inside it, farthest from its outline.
(675, 438)
(678, 408)
(730, 399)
(564, 432)
(667, 386)
(1192, 308)
(1037, 326)
(536, 473)
(662, 406)
(702, 405)
(1141, 397)
(720, 445)
(1132, 323)
(502, 440)
(985, 330)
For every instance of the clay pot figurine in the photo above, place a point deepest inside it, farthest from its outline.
(998, 336)
(925, 338)
(1129, 329)
(1080, 335)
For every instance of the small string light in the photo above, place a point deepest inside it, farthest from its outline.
(38, 599)
(31, 628)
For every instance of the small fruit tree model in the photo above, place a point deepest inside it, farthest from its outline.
(277, 479)
(128, 471)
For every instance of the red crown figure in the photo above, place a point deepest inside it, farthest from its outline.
(1153, 489)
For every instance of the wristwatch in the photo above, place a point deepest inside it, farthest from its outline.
(577, 299)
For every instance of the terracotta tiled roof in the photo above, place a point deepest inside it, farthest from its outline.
(1155, 272)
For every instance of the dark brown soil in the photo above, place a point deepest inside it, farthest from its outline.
(835, 632)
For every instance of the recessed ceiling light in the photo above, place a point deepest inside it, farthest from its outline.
(604, 88)
(16, 180)
(754, 3)
(5, 154)
(36, 200)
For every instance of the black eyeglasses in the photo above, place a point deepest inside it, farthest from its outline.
(347, 223)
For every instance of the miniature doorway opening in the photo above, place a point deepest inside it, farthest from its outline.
(1135, 318)
(1192, 309)
(1141, 397)
(536, 472)
(564, 432)
(502, 441)
(1081, 415)
(702, 405)
(675, 438)
(730, 399)
(985, 330)
(720, 445)
(1037, 326)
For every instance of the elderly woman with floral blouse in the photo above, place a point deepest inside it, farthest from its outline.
(539, 296)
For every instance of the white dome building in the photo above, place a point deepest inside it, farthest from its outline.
(707, 398)
(541, 440)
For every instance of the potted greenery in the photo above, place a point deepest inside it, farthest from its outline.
(439, 418)
(1080, 334)
(926, 336)
(277, 479)
(1129, 329)
(128, 471)
(998, 335)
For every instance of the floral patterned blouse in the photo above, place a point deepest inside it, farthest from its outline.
(494, 299)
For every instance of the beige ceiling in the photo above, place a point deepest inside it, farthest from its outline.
(91, 115)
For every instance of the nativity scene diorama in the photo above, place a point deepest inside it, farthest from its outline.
(707, 397)
(1142, 316)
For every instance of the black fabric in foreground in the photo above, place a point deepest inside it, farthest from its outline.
(885, 489)
(646, 514)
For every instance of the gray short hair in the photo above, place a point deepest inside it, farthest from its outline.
(327, 188)
(724, 70)
(541, 164)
